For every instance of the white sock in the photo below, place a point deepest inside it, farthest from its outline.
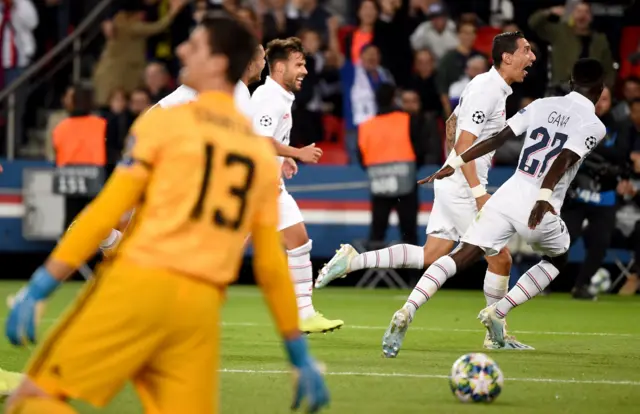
(302, 277)
(399, 256)
(495, 287)
(529, 285)
(430, 282)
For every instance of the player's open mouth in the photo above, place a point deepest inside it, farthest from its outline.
(525, 70)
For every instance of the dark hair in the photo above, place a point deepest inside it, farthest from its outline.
(466, 22)
(385, 94)
(632, 79)
(368, 46)
(82, 97)
(141, 90)
(229, 37)
(504, 43)
(279, 50)
(587, 73)
(633, 102)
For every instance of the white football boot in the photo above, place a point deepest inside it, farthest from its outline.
(393, 337)
(495, 326)
(337, 267)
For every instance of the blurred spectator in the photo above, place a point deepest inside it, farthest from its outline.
(630, 91)
(453, 64)
(391, 149)
(199, 10)
(363, 34)
(80, 140)
(425, 123)
(571, 42)
(123, 60)
(423, 81)
(248, 16)
(359, 83)
(438, 34)
(313, 16)
(391, 35)
(54, 120)
(139, 102)
(156, 80)
(634, 116)
(119, 121)
(593, 195)
(627, 232)
(307, 109)
(475, 66)
(18, 20)
(276, 23)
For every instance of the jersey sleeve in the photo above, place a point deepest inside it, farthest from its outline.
(475, 110)
(264, 118)
(586, 138)
(146, 138)
(521, 121)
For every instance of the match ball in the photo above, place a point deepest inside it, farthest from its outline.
(476, 378)
(600, 281)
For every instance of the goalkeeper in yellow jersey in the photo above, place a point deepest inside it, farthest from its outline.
(201, 181)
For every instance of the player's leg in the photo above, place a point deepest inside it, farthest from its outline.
(440, 229)
(597, 238)
(552, 239)
(182, 376)
(101, 341)
(298, 247)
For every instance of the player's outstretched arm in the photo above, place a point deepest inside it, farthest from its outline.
(121, 193)
(309, 154)
(566, 159)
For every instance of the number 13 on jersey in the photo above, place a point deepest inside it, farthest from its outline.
(228, 212)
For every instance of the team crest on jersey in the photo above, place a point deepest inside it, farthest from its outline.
(265, 121)
(478, 117)
(590, 142)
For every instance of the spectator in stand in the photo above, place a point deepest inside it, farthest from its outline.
(54, 120)
(276, 23)
(630, 91)
(572, 42)
(391, 35)
(423, 81)
(313, 16)
(140, 102)
(475, 66)
(453, 64)
(18, 20)
(363, 34)
(248, 16)
(627, 232)
(119, 121)
(438, 34)
(426, 123)
(200, 8)
(359, 84)
(124, 58)
(156, 80)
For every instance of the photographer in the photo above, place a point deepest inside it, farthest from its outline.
(593, 195)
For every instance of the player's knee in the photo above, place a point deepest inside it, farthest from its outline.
(501, 261)
(305, 248)
(559, 262)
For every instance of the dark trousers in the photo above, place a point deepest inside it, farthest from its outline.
(407, 209)
(597, 235)
(631, 243)
(72, 207)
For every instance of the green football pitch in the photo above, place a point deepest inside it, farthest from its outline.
(587, 357)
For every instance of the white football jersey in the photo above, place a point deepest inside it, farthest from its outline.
(184, 94)
(271, 105)
(481, 112)
(551, 125)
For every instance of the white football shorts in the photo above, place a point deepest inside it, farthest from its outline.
(451, 215)
(491, 231)
(288, 211)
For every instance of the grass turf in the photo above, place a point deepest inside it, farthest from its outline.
(587, 357)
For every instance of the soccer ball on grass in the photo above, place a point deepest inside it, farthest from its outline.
(476, 378)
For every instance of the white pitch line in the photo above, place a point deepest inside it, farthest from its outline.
(420, 328)
(431, 376)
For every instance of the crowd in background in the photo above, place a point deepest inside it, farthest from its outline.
(429, 49)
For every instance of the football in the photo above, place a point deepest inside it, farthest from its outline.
(476, 378)
(600, 281)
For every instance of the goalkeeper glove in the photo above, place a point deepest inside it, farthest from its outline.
(309, 380)
(26, 308)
